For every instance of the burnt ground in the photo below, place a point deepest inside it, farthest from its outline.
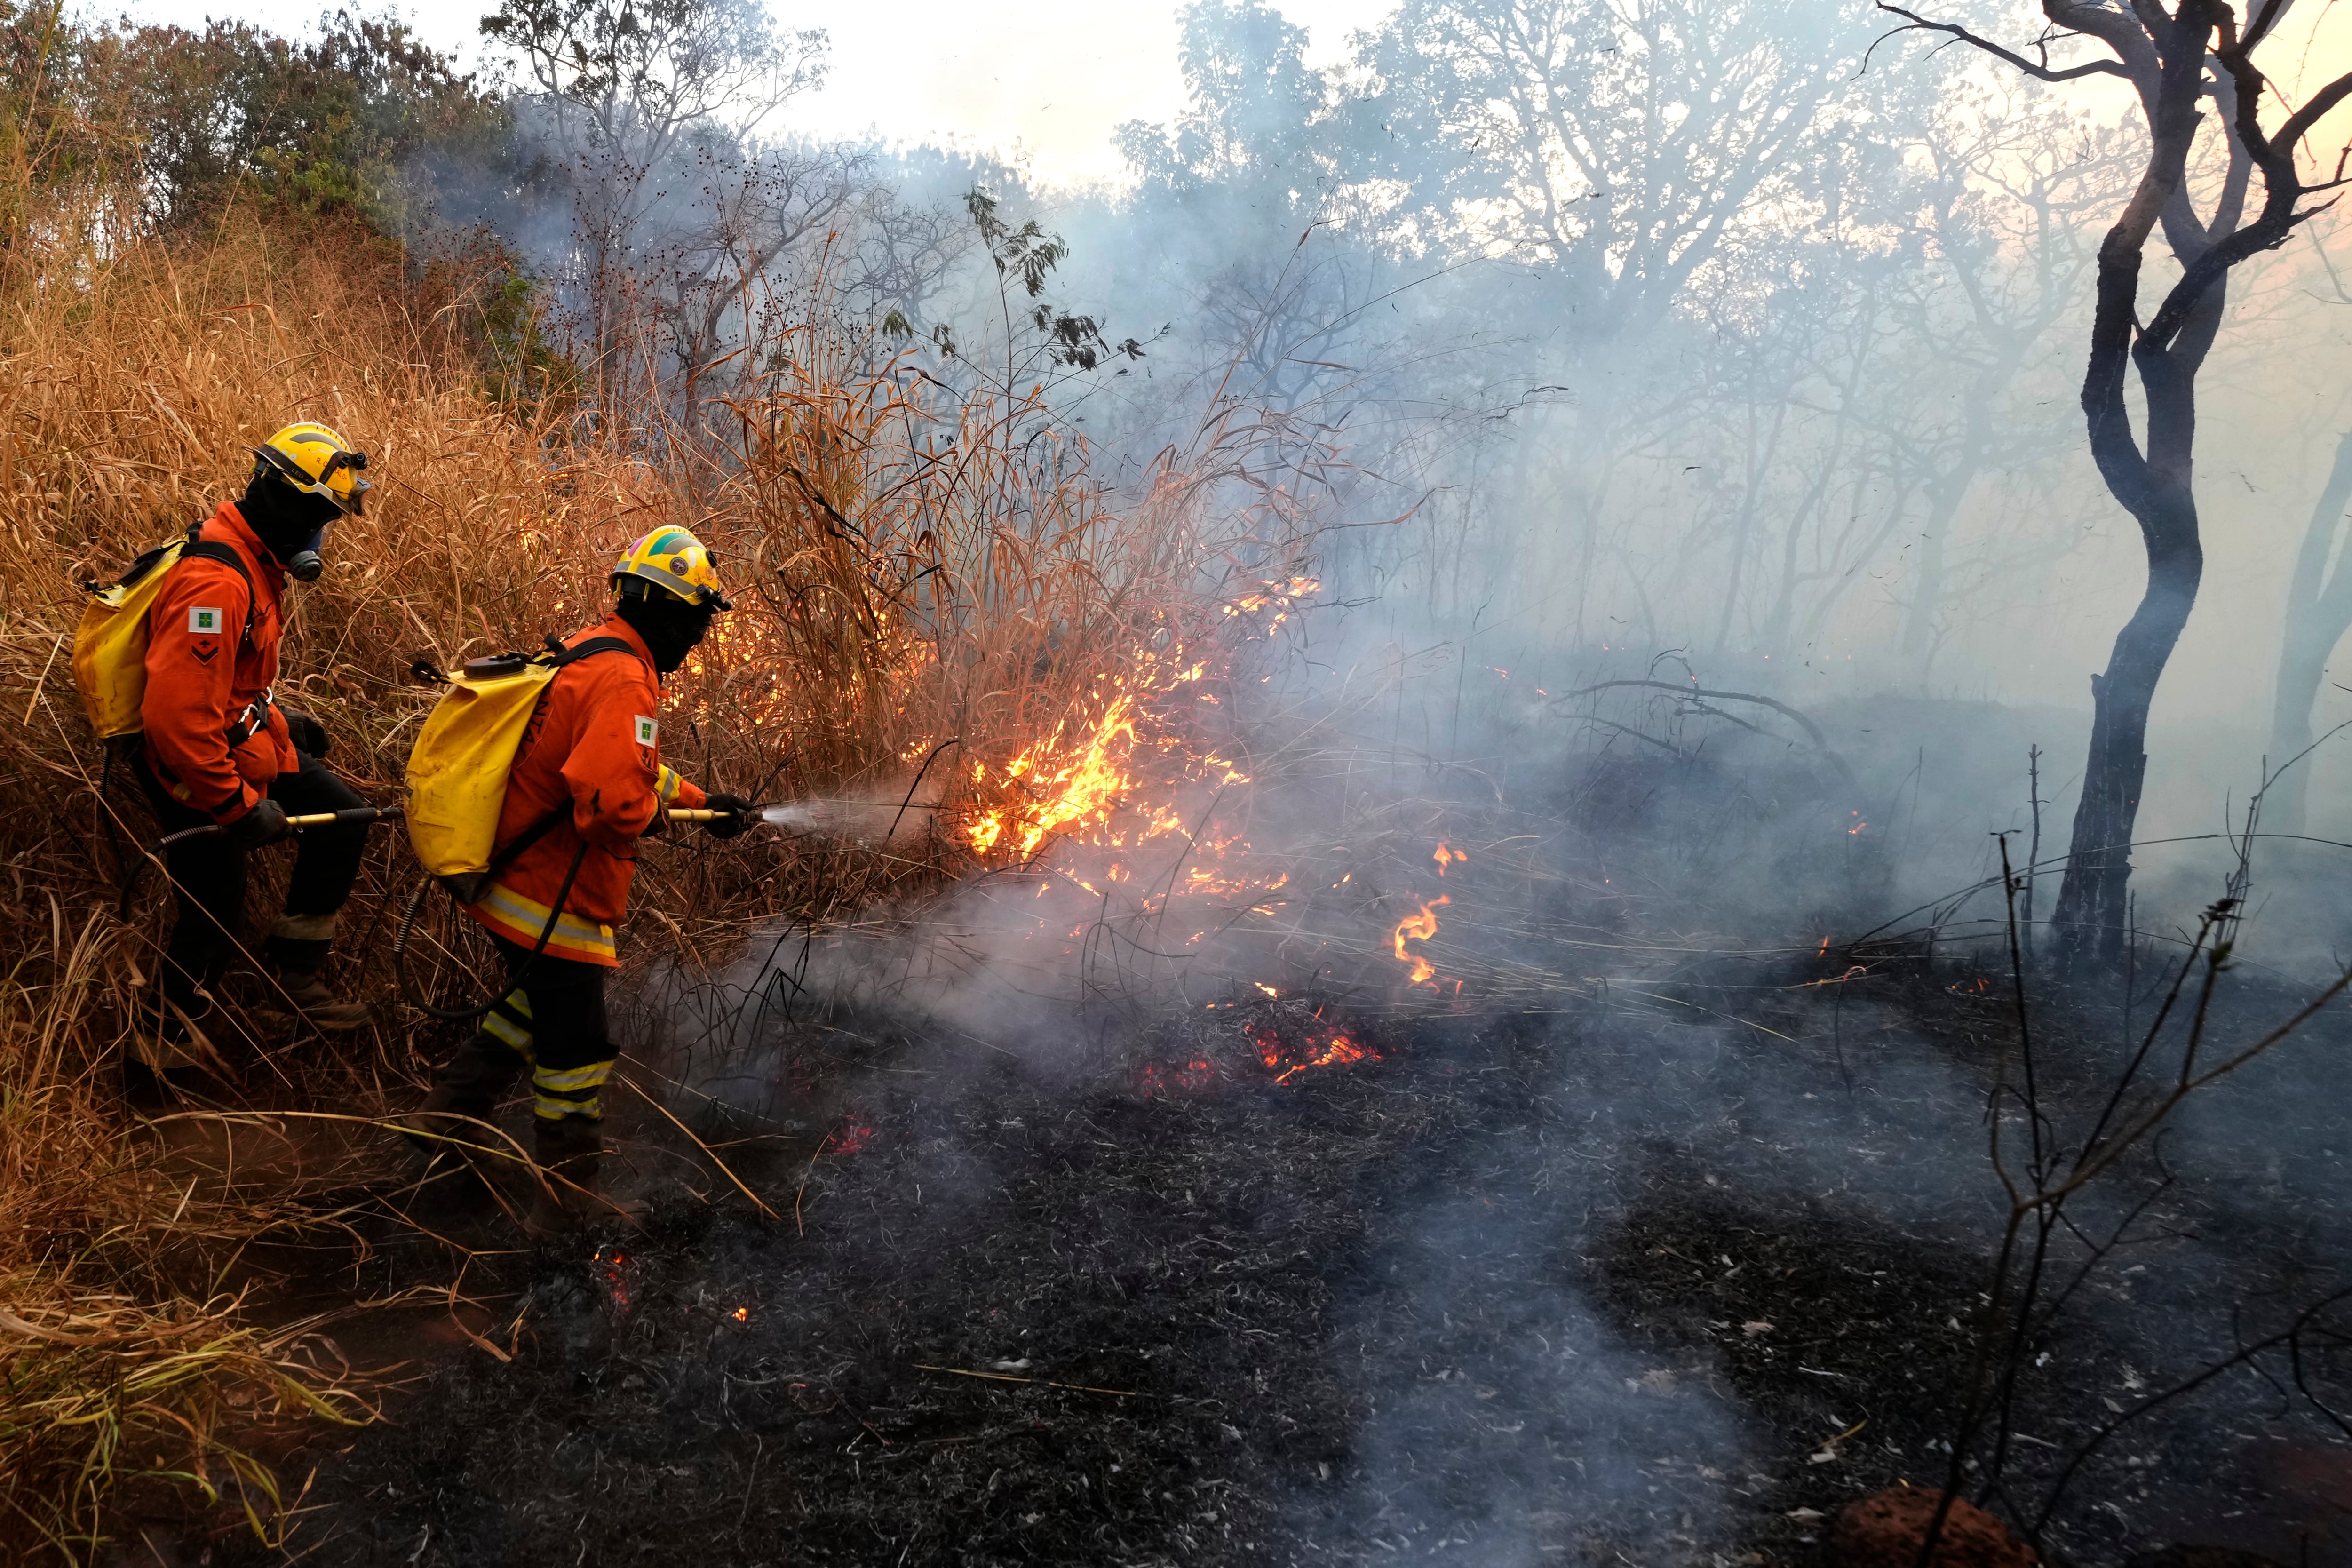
(1646, 1278)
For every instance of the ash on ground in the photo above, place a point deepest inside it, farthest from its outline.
(1658, 1279)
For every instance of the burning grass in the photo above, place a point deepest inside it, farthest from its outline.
(946, 622)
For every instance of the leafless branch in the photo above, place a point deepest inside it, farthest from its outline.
(2044, 71)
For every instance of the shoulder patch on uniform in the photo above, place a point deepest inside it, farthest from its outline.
(203, 620)
(646, 730)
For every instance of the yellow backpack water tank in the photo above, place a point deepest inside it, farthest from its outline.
(457, 770)
(109, 647)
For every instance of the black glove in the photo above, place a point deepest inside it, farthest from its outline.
(265, 824)
(738, 817)
(308, 735)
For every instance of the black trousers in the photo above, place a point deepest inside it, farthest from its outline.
(555, 1023)
(208, 878)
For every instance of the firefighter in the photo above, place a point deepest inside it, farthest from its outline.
(587, 783)
(217, 750)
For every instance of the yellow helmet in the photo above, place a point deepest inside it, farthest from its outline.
(317, 461)
(680, 562)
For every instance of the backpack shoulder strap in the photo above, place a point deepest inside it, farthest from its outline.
(565, 655)
(200, 548)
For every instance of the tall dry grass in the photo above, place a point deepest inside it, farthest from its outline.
(926, 576)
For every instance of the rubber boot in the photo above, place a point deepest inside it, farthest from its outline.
(310, 998)
(467, 1085)
(570, 1194)
(297, 951)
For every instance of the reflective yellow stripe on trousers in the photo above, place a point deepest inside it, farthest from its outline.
(558, 1092)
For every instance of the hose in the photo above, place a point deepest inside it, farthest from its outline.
(416, 903)
(138, 868)
(514, 982)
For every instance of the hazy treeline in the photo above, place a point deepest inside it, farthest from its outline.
(1740, 332)
(1702, 327)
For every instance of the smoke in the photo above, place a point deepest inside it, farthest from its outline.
(1722, 592)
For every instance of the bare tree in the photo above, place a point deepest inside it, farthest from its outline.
(2173, 60)
(1627, 145)
(751, 208)
(630, 91)
(2318, 613)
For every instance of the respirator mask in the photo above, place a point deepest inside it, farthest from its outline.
(305, 565)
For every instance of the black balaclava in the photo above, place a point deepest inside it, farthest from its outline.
(288, 521)
(670, 625)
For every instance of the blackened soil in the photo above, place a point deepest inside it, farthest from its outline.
(1651, 1280)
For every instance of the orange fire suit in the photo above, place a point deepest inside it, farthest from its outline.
(211, 741)
(590, 761)
(214, 745)
(592, 754)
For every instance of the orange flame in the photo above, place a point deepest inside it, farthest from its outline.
(1448, 856)
(1418, 927)
(1325, 1046)
(1338, 1051)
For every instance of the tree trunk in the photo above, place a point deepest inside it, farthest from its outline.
(2091, 914)
(2158, 489)
(2318, 612)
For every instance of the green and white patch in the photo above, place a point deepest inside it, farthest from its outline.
(646, 730)
(203, 621)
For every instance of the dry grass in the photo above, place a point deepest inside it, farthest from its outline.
(924, 574)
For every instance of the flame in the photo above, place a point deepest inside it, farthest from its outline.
(1418, 927)
(1338, 1051)
(1079, 788)
(1082, 778)
(1448, 856)
(1325, 1046)
(741, 1314)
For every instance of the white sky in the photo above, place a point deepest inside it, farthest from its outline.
(1049, 79)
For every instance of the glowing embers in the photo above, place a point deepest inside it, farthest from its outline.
(1158, 1082)
(1287, 1048)
(1419, 926)
(1280, 1041)
(614, 1274)
(849, 1137)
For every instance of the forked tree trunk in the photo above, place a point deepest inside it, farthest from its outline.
(2164, 58)
(2157, 488)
